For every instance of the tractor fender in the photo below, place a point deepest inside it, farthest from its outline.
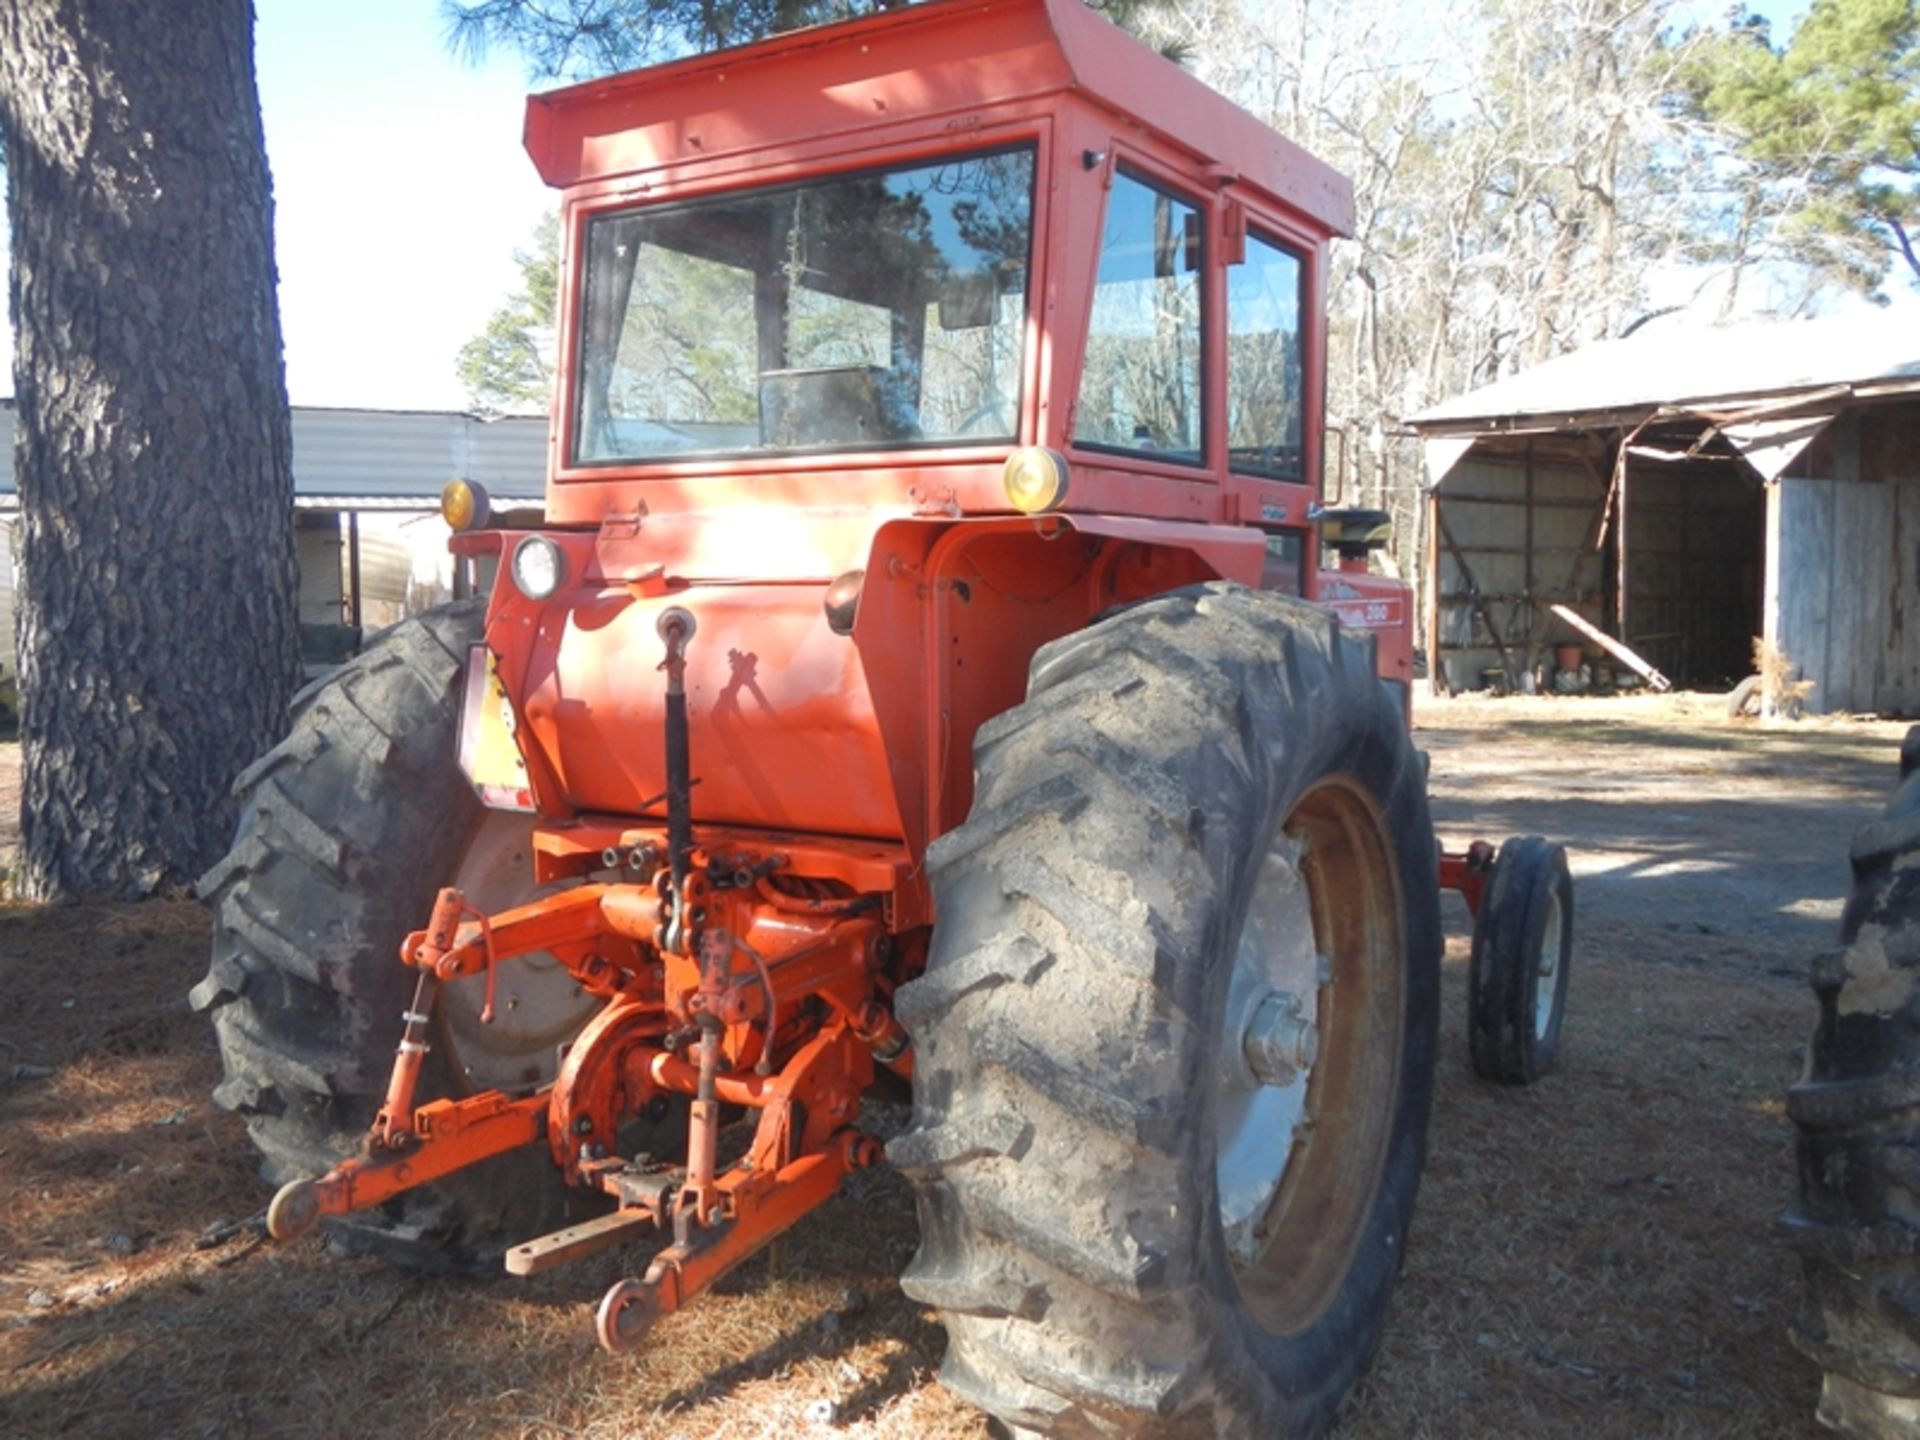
(951, 610)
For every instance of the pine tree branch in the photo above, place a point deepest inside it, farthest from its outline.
(1905, 242)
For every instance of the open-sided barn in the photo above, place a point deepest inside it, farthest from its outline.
(1689, 490)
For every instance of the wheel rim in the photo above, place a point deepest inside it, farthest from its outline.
(1547, 973)
(537, 1004)
(1310, 1055)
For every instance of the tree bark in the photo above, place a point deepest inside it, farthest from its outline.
(156, 627)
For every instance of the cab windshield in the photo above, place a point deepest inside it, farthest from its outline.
(877, 310)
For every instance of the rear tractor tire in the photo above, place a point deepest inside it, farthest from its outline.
(1175, 1040)
(347, 829)
(1857, 1222)
(1522, 956)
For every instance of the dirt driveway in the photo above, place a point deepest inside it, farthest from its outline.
(1592, 1258)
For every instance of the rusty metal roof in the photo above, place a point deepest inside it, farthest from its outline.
(1700, 369)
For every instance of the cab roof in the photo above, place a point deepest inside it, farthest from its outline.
(944, 58)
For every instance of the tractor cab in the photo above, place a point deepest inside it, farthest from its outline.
(890, 258)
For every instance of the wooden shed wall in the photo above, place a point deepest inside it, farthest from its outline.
(1843, 565)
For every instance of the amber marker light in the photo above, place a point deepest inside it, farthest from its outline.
(463, 504)
(1035, 479)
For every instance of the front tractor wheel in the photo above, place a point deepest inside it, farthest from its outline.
(347, 830)
(1522, 956)
(1175, 1041)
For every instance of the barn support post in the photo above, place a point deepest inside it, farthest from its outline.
(1529, 585)
(353, 568)
(1685, 612)
(1619, 544)
(1436, 648)
(1770, 581)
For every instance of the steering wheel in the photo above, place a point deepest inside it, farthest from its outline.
(994, 409)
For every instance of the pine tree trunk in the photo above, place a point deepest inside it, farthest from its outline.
(156, 628)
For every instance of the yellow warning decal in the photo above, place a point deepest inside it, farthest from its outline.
(489, 754)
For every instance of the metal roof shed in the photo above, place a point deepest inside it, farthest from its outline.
(354, 471)
(1687, 490)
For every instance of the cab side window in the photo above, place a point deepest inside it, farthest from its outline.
(1140, 385)
(1265, 376)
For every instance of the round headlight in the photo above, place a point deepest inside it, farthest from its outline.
(539, 567)
(464, 505)
(1035, 479)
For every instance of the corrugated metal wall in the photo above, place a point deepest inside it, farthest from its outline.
(1694, 556)
(1505, 557)
(1694, 547)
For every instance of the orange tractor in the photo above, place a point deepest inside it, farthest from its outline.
(926, 676)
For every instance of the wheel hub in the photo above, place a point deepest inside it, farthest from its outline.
(1547, 989)
(539, 1004)
(1310, 1044)
(1270, 1044)
(1281, 1040)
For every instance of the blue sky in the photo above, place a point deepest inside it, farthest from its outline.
(401, 191)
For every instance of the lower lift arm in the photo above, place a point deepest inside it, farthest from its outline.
(811, 1004)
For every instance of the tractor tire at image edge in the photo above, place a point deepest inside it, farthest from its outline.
(1857, 1221)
